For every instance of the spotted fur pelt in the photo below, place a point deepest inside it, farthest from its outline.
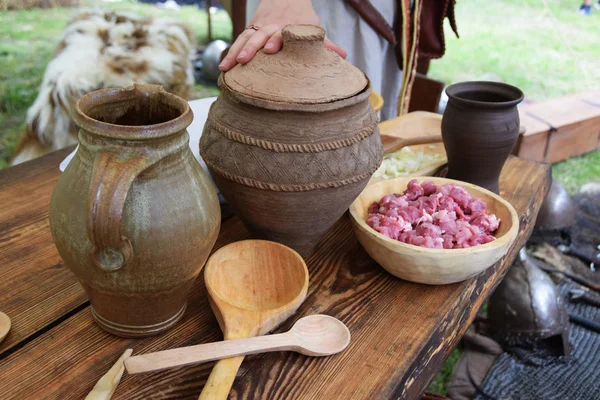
(99, 50)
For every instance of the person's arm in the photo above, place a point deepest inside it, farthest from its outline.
(270, 17)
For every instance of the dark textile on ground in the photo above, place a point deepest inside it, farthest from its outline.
(585, 235)
(578, 379)
(485, 373)
(478, 355)
(515, 376)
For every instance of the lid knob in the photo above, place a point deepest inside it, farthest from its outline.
(305, 33)
(304, 42)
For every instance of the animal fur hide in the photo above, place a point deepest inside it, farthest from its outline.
(101, 50)
(27, 4)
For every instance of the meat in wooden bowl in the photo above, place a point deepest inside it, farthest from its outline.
(435, 266)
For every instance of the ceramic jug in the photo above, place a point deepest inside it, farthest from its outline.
(134, 216)
(292, 140)
(480, 127)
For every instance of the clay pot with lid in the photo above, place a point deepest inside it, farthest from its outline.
(133, 215)
(292, 140)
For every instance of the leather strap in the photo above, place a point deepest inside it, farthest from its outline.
(431, 41)
(372, 17)
(410, 14)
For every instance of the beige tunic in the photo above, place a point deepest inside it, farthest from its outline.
(366, 49)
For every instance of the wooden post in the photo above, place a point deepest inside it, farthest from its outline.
(238, 17)
(208, 4)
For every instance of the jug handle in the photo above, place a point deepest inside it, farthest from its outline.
(112, 177)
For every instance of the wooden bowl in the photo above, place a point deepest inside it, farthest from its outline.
(433, 266)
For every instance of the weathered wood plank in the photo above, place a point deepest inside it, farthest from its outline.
(574, 119)
(565, 110)
(67, 361)
(573, 140)
(401, 332)
(35, 288)
(532, 145)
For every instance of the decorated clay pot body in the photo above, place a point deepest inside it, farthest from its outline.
(134, 216)
(479, 128)
(292, 140)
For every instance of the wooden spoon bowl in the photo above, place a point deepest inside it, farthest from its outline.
(256, 275)
(433, 266)
(320, 335)
(253, 286)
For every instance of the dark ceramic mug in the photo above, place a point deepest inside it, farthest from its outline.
(480, 128)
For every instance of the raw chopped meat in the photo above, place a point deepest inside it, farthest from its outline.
(439, 217)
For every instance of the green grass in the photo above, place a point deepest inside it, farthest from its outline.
(546, 52)
(27, 42)
(575, 172)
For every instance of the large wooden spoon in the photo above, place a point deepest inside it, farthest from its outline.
(4, 325)
(315, 335)
(253, 286)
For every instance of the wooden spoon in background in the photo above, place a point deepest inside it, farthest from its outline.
(419, 127)
(4, 325)
(253, 286)
(315, 335)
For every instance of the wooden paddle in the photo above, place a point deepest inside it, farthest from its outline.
(253, 286)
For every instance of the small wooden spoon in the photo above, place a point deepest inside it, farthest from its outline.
(106, 386)
(4, 325)
(315, 335)
(253, 286)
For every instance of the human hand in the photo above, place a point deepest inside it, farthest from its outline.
(270, 18)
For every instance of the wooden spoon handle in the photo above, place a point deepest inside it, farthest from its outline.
(107, 385)
(392, 144)
(221, 379)
(208, 352)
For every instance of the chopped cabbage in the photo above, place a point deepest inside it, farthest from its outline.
(405, 162)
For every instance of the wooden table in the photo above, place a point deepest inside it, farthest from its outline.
(401, 332)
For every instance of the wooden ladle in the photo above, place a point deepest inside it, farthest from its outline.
(315, 335)
(253, 286)
(4, 325)
(394, 143)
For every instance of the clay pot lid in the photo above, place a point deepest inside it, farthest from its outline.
(303, 72)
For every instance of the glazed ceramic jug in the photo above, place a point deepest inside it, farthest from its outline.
(134, 216)
(480, 127)
(292, 140)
